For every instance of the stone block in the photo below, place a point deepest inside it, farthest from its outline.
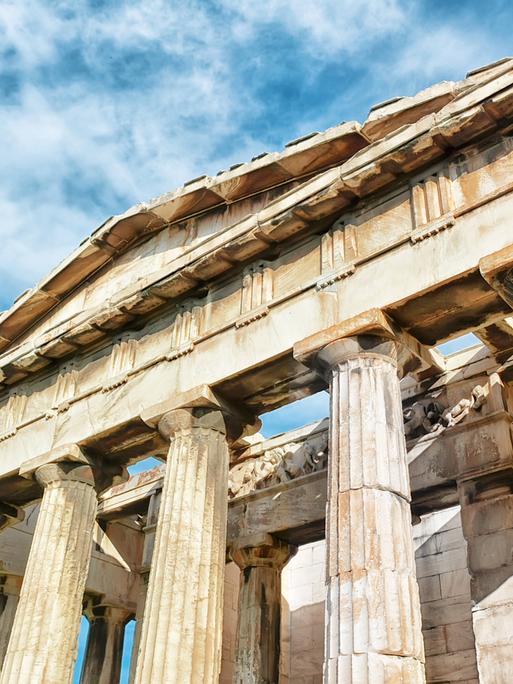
(494, 626)
(485, 517)
(441, 542)
(451, 667)
(493, 587)
(455, 583)
(460, 636)
(490, 551)
(495, 664)
(455, 559)
(429, 588)
(445, 612)
(434, 641)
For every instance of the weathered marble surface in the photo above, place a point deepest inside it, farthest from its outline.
(399, 224)
(373, 621)
(181, 633)
(257, 651)
(44, 639)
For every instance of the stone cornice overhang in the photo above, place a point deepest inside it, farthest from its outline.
(468, 118)
(300, 159)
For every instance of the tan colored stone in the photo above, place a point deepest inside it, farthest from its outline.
(261, 562)
(44, 638)
(372, 606)
(181, 633)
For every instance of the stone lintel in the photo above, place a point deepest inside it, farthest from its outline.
(238, 420)
(10, 514)
(70, 453)
(414, 356)
(497, 270)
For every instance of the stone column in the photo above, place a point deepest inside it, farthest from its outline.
(261, 561)
(149, 531)
(373, 622)
(102, 662)
(487, 518)
(10, 586)
(141, 602)
(182, 625)
(44, 639)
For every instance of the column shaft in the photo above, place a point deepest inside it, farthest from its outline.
(141, 602)
(102, 663)
(373, 623)
(10, 586)
(182, 625)
(44, 639)
(257, 659)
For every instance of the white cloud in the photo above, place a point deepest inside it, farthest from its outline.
(122, 102)
(327, 28)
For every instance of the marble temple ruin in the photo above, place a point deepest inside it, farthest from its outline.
(372, 547)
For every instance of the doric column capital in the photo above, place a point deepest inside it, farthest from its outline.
(356, 347)
(56, 465)
(201, 407)
(371, 334)
(58, 473)
(69, 463)
(262, 551)
(186, 420)
(113, 615)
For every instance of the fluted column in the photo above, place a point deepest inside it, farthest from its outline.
(44, 639)
(182, 624)
(257, 659)
(10, 586)
(102, 662)
(141, 602)
(373, 623)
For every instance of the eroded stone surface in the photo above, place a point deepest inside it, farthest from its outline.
(232, 285)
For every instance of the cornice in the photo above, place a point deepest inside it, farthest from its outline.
(483, 110)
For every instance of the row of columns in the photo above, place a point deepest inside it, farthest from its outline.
(373, 624)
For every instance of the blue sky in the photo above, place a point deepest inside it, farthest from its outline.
(104, 104)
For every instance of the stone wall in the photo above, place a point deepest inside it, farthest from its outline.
(302, 633)
(231, 599)
(444, 583)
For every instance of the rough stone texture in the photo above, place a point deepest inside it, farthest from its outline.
(220, 284)
(373, 624)
(444, 584)
(43, 643)
(230, 613)
(257, 659)
(104, 650)
(141, 603)
(10, 586)
(181, 633)
(487, 514)
(302, 633)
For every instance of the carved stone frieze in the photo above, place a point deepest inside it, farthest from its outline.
(279, 464)
(428, 415)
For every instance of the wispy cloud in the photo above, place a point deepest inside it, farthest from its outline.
(106, 103)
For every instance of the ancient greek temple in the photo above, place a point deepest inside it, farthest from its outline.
(372, 547)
